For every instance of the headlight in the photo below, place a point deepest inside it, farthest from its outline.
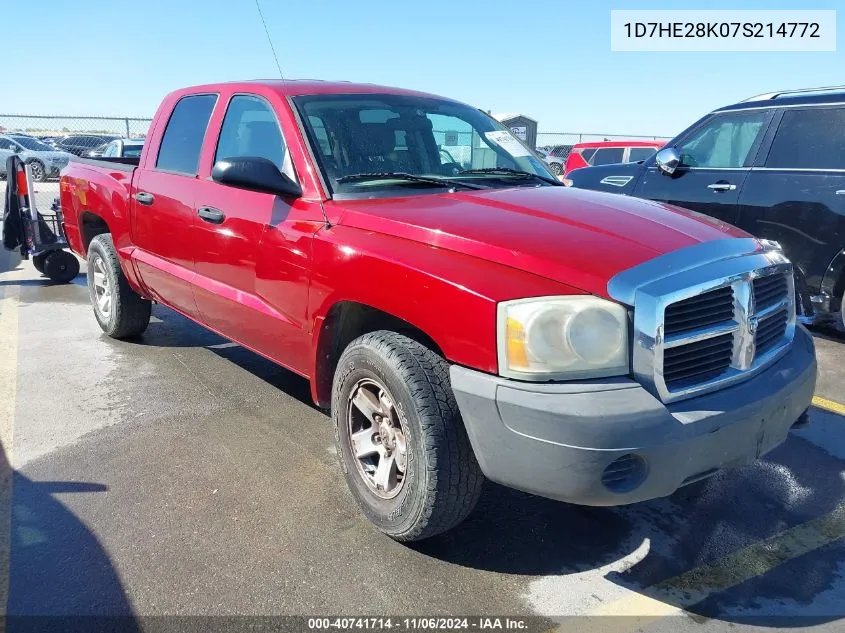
(562, 338)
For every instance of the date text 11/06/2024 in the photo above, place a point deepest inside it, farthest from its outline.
(484, 623)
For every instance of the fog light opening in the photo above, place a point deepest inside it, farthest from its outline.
(625, 473)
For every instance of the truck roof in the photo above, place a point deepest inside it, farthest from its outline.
(296, 87)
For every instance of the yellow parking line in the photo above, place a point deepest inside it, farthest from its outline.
(828, 405)
(672, 596)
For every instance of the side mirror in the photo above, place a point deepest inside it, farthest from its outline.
(255, 174)
(16, 149)
(668, 160)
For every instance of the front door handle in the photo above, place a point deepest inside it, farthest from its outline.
(841, 192)
(210, 214)
(722, 186)
(144, 198)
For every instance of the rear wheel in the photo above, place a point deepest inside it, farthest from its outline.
(400, 438)
(60, 266)
(120, 311)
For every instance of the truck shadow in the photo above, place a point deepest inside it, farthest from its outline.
(60, 578)
(721, 529)
(170, 329)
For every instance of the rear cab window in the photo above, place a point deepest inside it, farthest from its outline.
(182, 140)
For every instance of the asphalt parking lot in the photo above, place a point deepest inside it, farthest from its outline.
(182, 474)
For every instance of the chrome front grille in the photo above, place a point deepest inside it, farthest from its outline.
(697, 362)
(701, 311)
(709, 315)
(770, 331)
(768, 291)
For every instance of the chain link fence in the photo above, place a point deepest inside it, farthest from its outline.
(551, 139)
(39, 139)
(35, 136)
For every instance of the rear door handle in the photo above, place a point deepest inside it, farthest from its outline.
(144, 198)
(722, 186)
(210, 214)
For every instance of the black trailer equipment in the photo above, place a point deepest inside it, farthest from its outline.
(38, 236)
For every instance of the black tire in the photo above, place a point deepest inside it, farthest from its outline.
(442, 480)
(555, 168)
(38, 262)
(129, 313)
(60, 267)
(39, 172)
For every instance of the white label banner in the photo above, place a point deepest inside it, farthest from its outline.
(728, 30)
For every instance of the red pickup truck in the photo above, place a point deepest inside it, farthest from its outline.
(460, 312)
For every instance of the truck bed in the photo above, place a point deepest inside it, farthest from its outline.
(110, 162)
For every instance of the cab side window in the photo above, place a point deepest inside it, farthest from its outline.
(726, 140)
(250, 128)
(809, 139)
(183, 136)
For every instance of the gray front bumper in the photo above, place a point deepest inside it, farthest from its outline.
(556, 440)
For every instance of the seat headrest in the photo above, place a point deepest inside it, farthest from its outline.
(376, 139)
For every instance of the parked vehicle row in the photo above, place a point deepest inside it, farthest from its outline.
(79, 144)
(118, 148)
(47, 155)
(609, 153)
(773, 165)
(44, 161)
(462, 314)
(562, 159)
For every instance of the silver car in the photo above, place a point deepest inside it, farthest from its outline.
(44, 161)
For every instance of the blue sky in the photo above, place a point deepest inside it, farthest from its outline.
(549, 60)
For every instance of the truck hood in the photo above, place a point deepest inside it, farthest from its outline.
(576, 237)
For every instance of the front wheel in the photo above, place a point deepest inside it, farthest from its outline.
(400, 438)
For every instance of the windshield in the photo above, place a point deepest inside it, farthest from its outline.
(32, 144)
(357, 134)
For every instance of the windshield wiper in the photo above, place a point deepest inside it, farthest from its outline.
(401, 175)
(507, 171)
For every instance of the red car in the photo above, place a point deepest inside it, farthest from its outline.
(609, 152)
(462, 314)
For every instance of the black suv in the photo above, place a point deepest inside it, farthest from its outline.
(773, 165)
